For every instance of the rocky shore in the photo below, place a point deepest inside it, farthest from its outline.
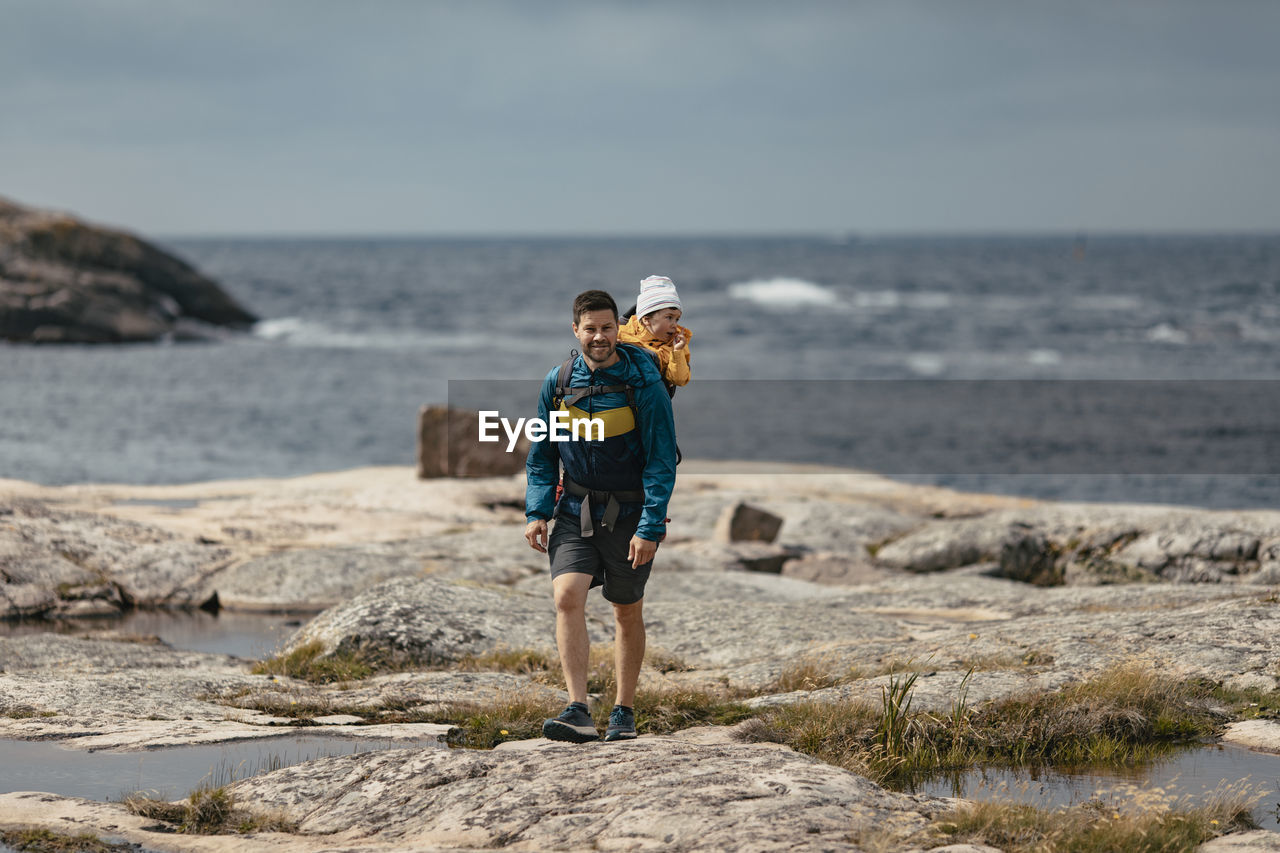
(65, 281)
(865, 575)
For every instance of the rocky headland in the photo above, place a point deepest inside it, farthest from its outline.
(427, 583)
(65, 281)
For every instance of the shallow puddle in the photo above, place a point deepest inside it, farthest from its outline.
(168, 773)
(245, 635)
(1190, 776)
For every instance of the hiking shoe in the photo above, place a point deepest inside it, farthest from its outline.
(622, 724)
(573, 725)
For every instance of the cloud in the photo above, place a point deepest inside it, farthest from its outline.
(568, 116)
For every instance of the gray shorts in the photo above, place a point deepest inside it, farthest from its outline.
(603, 556)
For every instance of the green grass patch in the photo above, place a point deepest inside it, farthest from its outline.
(1120, 717)
(45, 841)
(1145, 824)
(310, 663)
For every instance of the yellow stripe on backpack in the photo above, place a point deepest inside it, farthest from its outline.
(616, 421)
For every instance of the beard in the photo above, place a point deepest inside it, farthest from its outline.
(599, 354)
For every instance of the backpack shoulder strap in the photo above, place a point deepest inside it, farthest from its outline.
(562, 380)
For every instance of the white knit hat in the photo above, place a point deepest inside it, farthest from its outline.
(657, 292)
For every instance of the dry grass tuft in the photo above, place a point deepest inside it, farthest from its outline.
(812, 672)
(46, 841)
(208, 811)
(484, 726)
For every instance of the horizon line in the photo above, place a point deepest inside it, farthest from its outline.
(1075, 235)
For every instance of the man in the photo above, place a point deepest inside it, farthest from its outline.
(613, 510)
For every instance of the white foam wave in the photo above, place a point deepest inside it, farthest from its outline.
(926, 363)
(296, 331)
(1044, 357)
(1167, 334)
(928, 300)
(784, 293)
(279, 328)
(299, 332)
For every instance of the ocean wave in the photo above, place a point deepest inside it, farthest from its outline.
(926, 363)
(928, 300)
(300, 332)
(1166, 334)
(297, 331)
(784, 293)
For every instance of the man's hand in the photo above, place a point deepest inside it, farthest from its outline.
(536, 535)
(641, 551)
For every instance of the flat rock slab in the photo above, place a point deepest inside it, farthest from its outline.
(1258, 841)
(307, 579)
(655, 793)
(55, 563)
(148, 735)
(100, 694)
(1263, 735)
(726, 633)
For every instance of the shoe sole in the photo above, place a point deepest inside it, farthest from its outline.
(624, 735)
(556, 730)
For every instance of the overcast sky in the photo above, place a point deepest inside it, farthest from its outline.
(475, 117)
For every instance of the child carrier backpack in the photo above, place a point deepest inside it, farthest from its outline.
(566, 395)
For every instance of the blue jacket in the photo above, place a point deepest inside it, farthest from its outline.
(631, 456)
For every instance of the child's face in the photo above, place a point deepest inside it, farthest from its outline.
(662, 323)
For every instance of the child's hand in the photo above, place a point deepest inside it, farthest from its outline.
(678, 342)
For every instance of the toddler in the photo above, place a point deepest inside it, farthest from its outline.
(655, 326)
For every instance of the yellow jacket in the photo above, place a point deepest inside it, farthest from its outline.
(674, 363)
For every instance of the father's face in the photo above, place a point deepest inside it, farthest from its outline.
(597, 333)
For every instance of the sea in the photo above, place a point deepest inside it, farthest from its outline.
(1137, 368)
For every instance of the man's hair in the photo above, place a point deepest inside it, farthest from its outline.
(593, 300)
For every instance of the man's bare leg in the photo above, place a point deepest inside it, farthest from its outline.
(628, 649)
(571, 631)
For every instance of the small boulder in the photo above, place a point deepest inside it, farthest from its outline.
(426, 621)
(1028, 556)
(449, 446)
(946, 544)
(1267, 575)
(743, 523)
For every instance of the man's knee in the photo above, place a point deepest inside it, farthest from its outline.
(628, 615)
(571, 597)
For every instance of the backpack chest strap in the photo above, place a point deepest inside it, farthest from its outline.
(571, 396)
